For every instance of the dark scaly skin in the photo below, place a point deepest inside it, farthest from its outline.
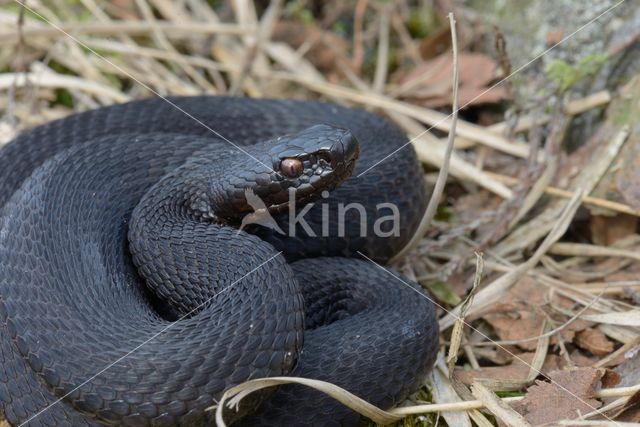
(91, 308)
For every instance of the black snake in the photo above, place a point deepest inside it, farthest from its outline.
(128, 296)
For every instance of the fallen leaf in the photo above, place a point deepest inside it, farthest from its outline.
(325, 50)
(517, 325)
(580, 359)
(568, 395)
(436, 43)
(610, 379)
(607, 229)
(594, 341)
(430, 83)
(518, 370)
(631, 410)
(519, 314)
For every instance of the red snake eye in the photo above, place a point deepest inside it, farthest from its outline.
(291, 168)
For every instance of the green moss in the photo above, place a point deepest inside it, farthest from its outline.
(296, 10)
(63, 97)
(566, 75)
(626, 109)
(420, 23)
(622, 113)
(442, 291)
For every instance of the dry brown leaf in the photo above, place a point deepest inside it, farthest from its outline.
(610, 379)
(606, 229)
(570, 394)
(594, 341)
(580, 359)
(430, 83)
(517, 370)
(436, 44)
(326, 48)
(631, 411)
(470, 207)
(518, 315)
(517, 325)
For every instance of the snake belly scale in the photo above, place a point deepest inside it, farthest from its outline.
(120, 249)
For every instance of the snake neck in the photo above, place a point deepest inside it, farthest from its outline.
(179, 237)
(187, 222)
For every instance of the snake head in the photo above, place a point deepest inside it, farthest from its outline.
(312, 161)
(295, 167)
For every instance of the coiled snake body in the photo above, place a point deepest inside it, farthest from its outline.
(129, 297)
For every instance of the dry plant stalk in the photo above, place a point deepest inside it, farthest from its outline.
(434, 200)
(458, 327)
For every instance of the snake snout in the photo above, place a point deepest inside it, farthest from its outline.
(345, 150)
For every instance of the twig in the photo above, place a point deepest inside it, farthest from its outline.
(434, 201)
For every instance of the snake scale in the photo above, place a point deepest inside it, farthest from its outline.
(128, 295)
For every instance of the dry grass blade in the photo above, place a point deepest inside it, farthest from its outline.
(540, 355)
(497, 407)
(434, 201)
(627, 318)
(51, 80)
(112, 28)
(382, 62)
(431, 150)
(525, 123)
(458, 327)
(444, 394)
(234, 395)
(581, 249)
(263, 35)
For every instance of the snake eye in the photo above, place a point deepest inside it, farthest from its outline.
(292, 168)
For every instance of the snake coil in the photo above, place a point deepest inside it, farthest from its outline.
(128, 296)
